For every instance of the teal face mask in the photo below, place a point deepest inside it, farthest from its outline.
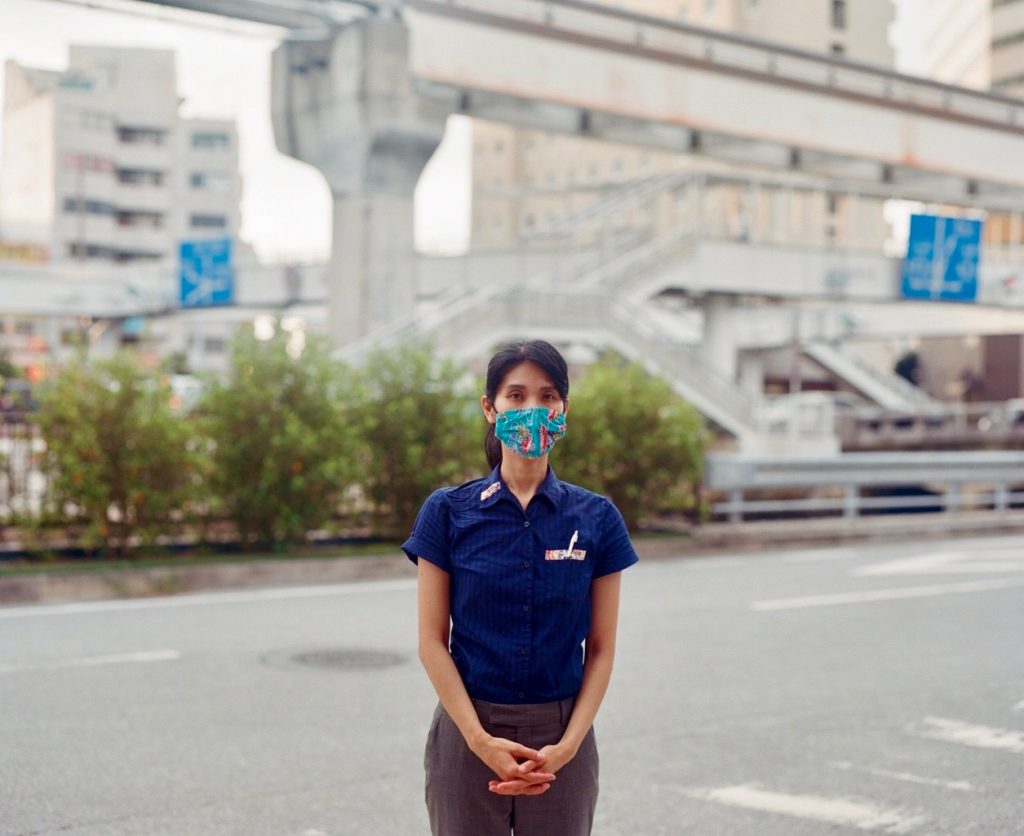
(531, 431)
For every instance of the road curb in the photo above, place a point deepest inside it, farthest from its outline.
(717, 538)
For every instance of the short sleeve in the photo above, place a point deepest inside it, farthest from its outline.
(616, 552)
(429, 538)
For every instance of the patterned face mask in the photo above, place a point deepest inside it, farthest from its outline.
(531, 431)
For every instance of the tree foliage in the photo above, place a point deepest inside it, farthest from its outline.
(420, 429)
(633, 439)
(281, 437)
(118, 459)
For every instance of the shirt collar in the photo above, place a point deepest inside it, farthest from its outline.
(551, 488)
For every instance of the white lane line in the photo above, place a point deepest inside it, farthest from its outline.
(91, 661)
(869, 596)
(957, 562)
(815, 555)
(963, 786)
(858, 814)
(715, 562)
(205, 598)
(969, 734)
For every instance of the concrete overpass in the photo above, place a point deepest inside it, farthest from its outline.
(362, 91)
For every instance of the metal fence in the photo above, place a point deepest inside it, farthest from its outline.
(854, 483)
(23, 486)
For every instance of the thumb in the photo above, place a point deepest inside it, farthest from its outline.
(520, 751)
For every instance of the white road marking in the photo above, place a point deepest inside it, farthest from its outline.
(963, 786)
(843, 811)
(90, 661)
(868, 596)
(956, 562)
(715, 562)
(815, 555)
(204, 598)
(969, 734)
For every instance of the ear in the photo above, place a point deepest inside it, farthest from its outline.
(490, 413)
(566, 410)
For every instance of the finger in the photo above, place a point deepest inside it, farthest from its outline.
(538, 777)
(517, 788)
(517, 750)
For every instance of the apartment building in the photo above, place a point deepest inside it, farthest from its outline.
(99, 167)
(524, 180)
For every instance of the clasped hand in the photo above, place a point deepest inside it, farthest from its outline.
(523, 771)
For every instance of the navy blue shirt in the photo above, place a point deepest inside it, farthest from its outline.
(520, 599)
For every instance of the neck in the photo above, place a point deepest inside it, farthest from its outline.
(523, 475)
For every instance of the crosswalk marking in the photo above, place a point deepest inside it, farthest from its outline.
(206, 598)
(963, 786)
(843, 811)
(92, 661)
(892, 594)
(970, 734)
(985, 561)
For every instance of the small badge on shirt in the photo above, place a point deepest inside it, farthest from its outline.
(565, 554)
(490, 491)
(568, 553)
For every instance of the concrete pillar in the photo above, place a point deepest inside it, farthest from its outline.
(719, 338)
(348, 107)
(751, 374)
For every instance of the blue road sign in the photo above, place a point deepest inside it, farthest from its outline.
(942, 259)
(206, 275)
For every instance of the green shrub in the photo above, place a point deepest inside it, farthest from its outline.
(633, 439)
(420, 430)
(119, 460)
(282, 438)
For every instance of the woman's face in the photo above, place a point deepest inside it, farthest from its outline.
(525, 385)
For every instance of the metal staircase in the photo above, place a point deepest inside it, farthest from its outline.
(887, 390)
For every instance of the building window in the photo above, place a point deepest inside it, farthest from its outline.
(211, 140)
(140, 177)
(214, 345)
(90, 207)
(208, 221)
(141, 136)
(126, 256)
(147, 220)
(838, 49)
(78, 249)
(838, 14)
(209, 181)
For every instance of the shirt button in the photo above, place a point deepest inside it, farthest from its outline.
(521, 695)
(526, 607)
(526, 523)
(523, 651)
(526, 564)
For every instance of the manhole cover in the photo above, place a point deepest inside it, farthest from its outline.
(344, 659)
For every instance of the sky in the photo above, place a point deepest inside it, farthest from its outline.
(286, 205)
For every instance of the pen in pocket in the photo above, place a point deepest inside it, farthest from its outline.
(572, 542)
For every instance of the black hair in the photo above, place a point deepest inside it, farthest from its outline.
(508, 357)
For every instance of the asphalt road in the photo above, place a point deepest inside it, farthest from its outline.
(860, 689)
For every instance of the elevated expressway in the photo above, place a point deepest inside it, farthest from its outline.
(362, 91)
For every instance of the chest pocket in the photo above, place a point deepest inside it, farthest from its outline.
(565, 574)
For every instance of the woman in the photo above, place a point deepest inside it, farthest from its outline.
(524, 568)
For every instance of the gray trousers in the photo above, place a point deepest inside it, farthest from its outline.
(458, 801)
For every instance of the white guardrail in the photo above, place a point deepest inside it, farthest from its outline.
(951, 481)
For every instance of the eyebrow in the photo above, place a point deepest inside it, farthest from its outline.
(524, 386)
